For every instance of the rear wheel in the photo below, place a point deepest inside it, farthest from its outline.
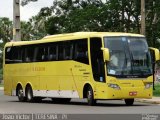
(90, 97)
(129, 102)
(29, 94)
(20, 94)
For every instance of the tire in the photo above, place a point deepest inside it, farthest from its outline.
(129, 102)
(61, 100)
(90, 97)
(20, 94)
(29, 94)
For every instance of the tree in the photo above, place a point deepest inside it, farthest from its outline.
(26, 31)
(5, 34)
(100, 15)
(95, 15)
(25, 2)
(5, 30)
(153, 22)
(38, 23)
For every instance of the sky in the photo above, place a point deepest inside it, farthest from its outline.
(6, 8)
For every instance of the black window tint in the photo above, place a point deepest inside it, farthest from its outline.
(53, 52)
(8, 55)
(29, 53)
(16, 55)
(41, 53)
(97, 59)
(13, 54)
(81, 51)
(68, 48)
(60, 51)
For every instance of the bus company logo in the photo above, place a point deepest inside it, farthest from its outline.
(150, 117)
(38, 69)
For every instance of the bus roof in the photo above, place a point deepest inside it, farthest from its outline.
(71, 36)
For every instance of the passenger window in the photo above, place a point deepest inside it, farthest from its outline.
(68, 48)
(81, 51)
(41, 54)
(60, 51)
(53, 49)
(8, 55)
(29, 53)
(13, 54)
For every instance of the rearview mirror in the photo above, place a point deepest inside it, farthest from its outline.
(156, 53)
(106, 54)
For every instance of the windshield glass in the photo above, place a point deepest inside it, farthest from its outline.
(129, 57)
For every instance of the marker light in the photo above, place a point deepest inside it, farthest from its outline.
(148, 85)
(114, 86)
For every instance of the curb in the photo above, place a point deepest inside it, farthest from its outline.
(153, 101)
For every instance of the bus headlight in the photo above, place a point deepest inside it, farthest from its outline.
(114, 86)
(148, 85)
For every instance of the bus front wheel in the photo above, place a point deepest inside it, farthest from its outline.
(129, 102)
(20, 94)
(90, 97)
(29, 94)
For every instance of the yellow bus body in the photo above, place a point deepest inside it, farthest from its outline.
(67, 79)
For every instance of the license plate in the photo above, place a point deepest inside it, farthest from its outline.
(134, 93)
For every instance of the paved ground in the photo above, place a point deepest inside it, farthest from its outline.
(10, 104)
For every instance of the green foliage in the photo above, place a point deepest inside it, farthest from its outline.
(25, 2)
(153, 22)
(5, 34)
(95, 15)
(51, 27)
(5, 29)
(1, 74)
(156, 92)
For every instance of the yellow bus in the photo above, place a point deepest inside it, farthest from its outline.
(92, 65)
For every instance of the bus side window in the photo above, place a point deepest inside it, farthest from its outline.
(68, 48)
(41, 54)
(29, 53)
(53, 52)
(16, 55)
(81, 51)
(8, 55)
(60, 51)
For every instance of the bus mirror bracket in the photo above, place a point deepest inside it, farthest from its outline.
(156, 53)
(106, 54)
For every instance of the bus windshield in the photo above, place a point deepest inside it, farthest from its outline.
(129, 57)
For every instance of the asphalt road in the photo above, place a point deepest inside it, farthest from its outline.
(10, 104)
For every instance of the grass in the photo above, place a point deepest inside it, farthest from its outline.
(156, 92)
